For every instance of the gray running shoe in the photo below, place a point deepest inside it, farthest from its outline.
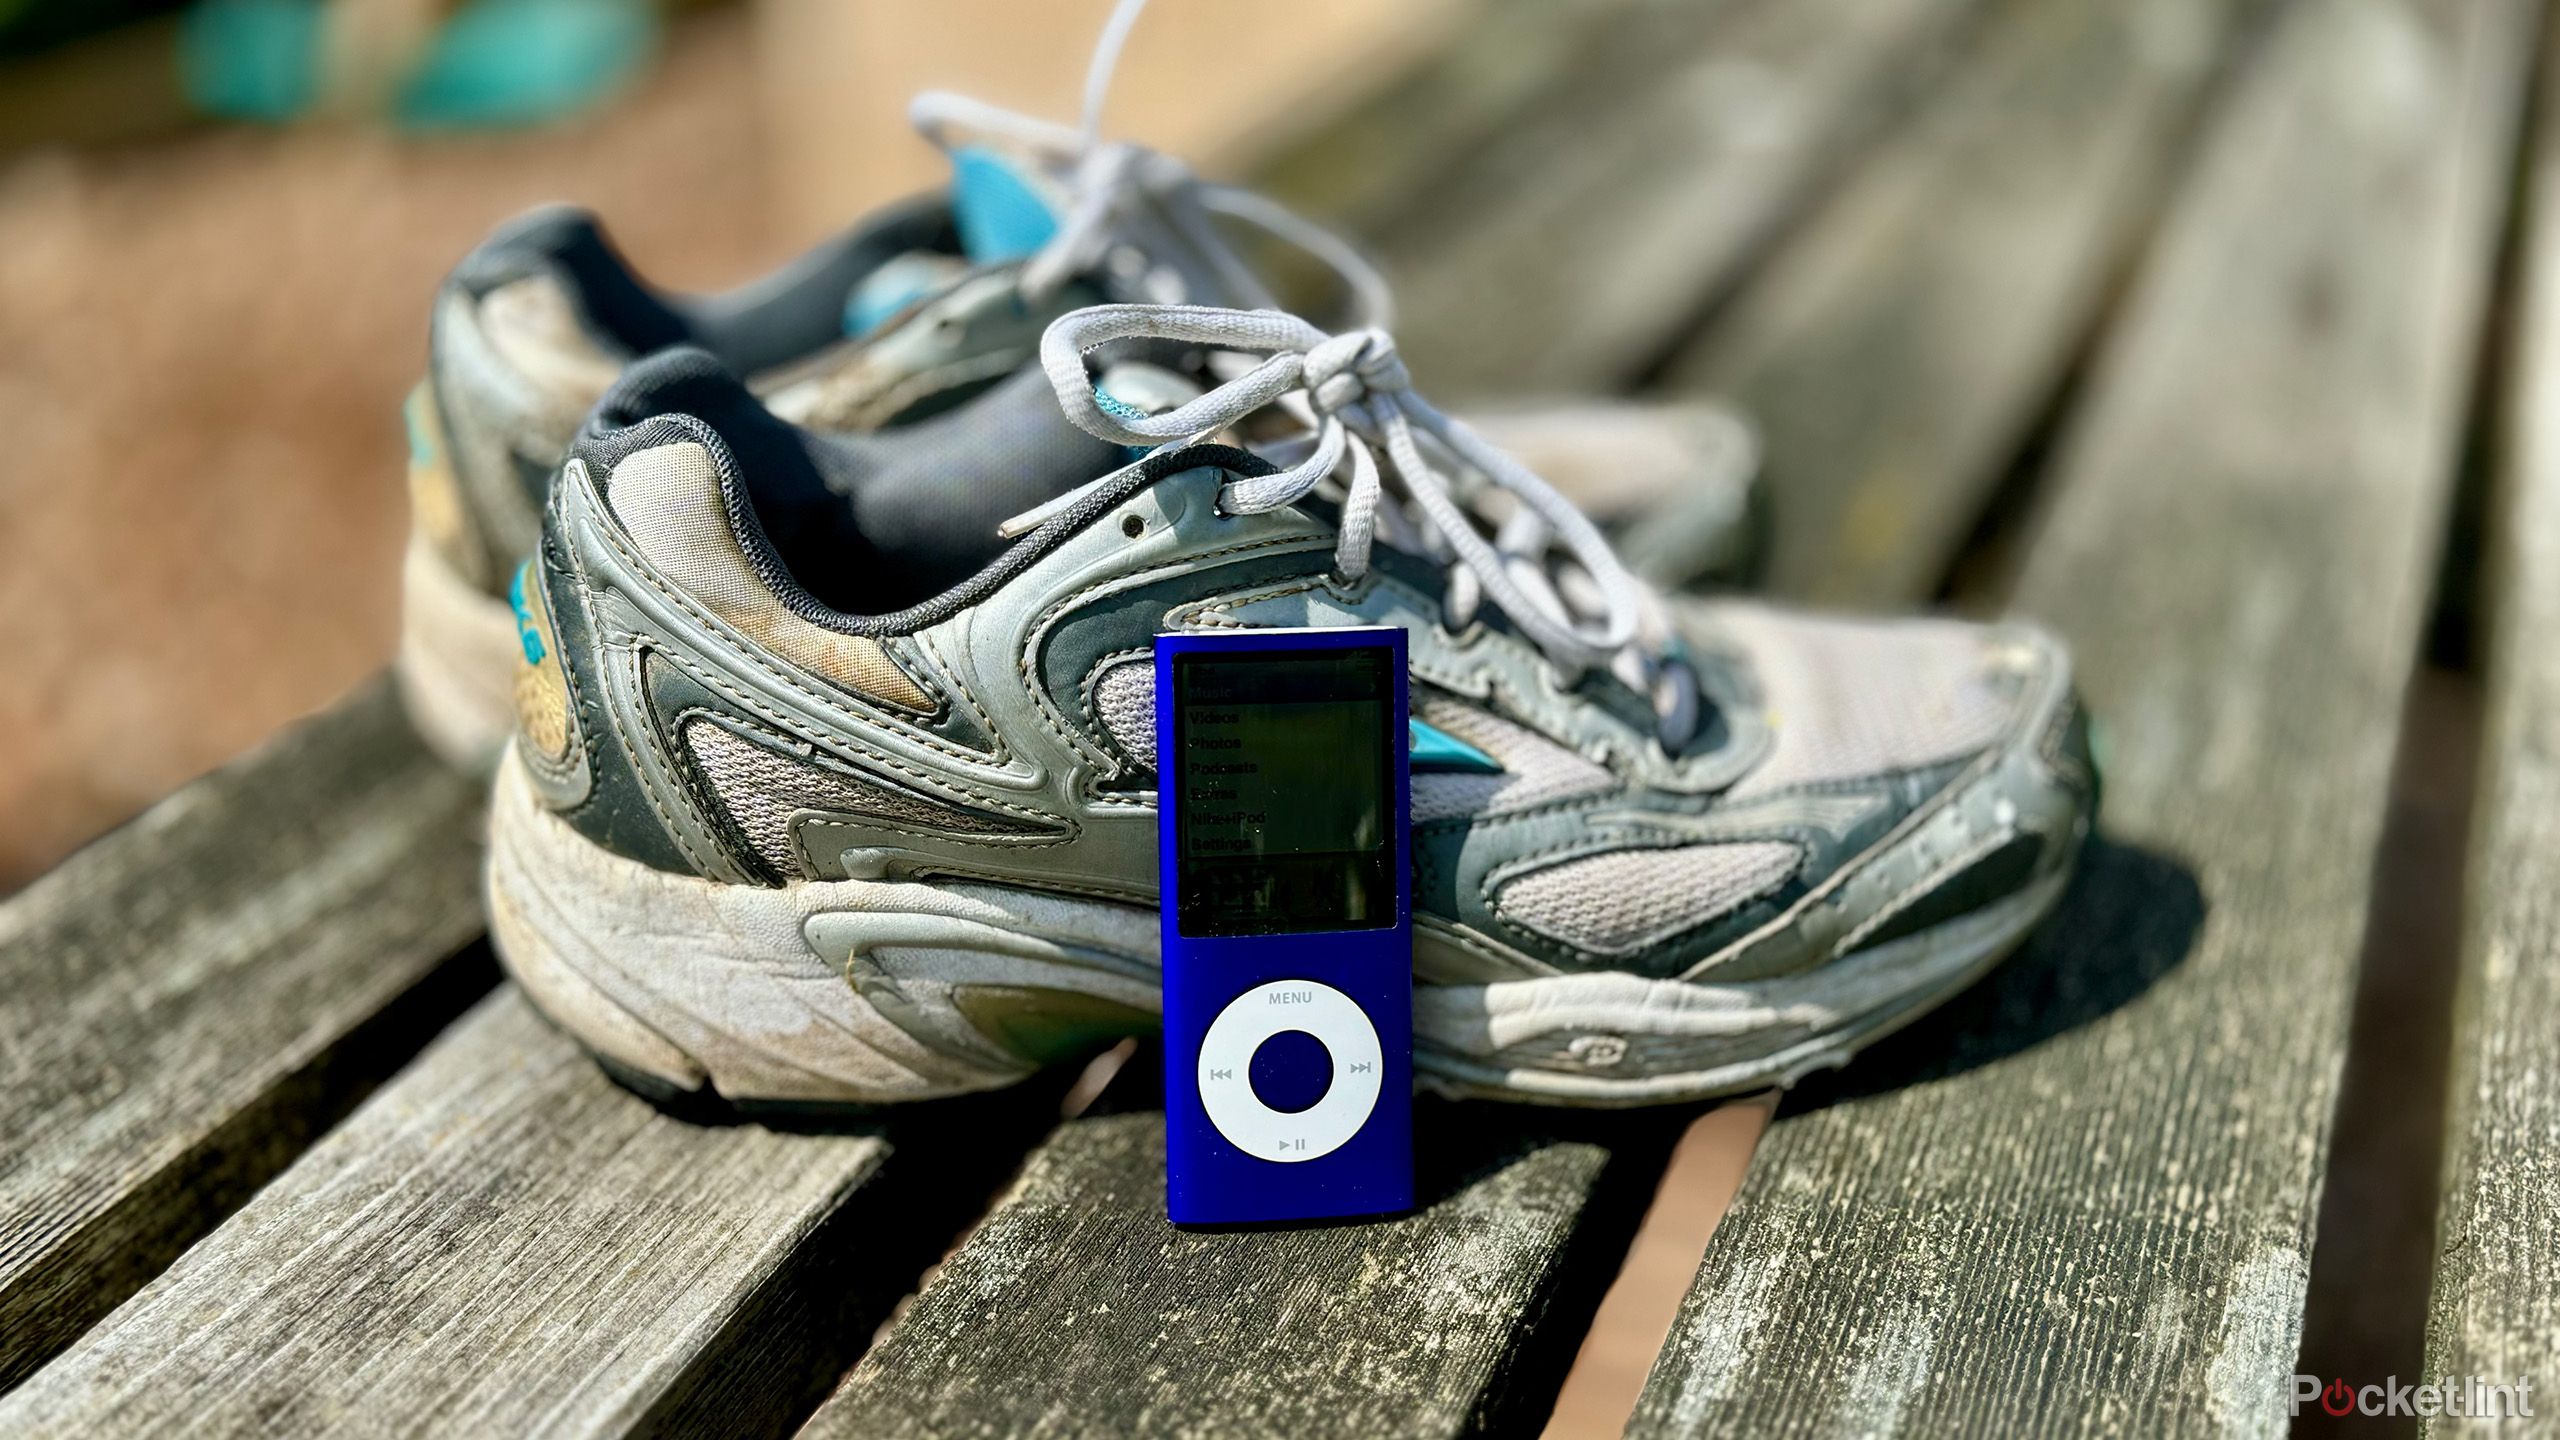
(793, 817)
(915, 312)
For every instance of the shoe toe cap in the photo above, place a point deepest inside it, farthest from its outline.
(1974, 742)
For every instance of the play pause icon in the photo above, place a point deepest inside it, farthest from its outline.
(1293, 1144)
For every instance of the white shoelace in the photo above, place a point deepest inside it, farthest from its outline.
(1118, 190)
(1591, 613)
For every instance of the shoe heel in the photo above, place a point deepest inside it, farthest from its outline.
(456, 664)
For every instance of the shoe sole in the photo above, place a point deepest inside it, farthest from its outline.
(855, 993)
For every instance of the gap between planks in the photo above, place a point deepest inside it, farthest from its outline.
(2106, 1227)
(192, 999)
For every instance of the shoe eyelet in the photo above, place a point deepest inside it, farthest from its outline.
(1132, 526)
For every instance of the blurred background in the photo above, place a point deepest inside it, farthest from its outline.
(221, 223)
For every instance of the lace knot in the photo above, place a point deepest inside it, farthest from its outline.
(1345, 372)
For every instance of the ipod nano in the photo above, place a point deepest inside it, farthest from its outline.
(1283, 852)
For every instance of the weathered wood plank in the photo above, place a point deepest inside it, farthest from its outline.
(2496, 1307)
(1359, 167)
(2105, 1230)
(1577, 244)
(1900, 346)
(501, 1242)
(1109, 1321)
(186, 1003)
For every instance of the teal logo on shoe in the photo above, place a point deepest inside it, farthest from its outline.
(422, 450)
(525, 631)
(1436, 749)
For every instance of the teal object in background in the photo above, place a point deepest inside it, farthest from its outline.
(251, 59)
(1436, 749)
(494, 64)
(999, 216)
(501, 63)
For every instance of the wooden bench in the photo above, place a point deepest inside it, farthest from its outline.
(2159, 323)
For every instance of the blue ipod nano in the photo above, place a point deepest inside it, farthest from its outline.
(1283, 844)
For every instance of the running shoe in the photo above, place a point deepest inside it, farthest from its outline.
(914, 312)
(793, 817)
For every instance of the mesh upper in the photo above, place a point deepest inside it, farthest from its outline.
(762, 789)
(1124, 700)
(1623, 901)
(668, 498)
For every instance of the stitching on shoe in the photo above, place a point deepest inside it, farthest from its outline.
(929, 642)
(1946, 869)
(1035, 633)
(639, 773)
(1086, 696)
(646, 572)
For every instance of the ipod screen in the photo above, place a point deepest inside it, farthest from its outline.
(1284, 774)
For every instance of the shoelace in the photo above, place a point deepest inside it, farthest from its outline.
(1590, 613)
(1118, 189)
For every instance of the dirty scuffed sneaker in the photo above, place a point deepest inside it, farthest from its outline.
(790, 821)
(539, 320)
(911, 313)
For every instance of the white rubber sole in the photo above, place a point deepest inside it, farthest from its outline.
(1615, 1039)
(457, 662)
(850, 991)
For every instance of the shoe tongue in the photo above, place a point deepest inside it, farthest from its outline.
(894, 285)
(1004, 212)
(1134, 389)
(1129, 389)
(933, 494)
